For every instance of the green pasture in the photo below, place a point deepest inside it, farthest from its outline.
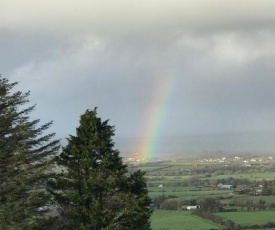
(149, 168)
(255, 199)
(171, 189)
(267, 199)
(249, 218)
(157, 180)
(166, 167)
(186, 192)
(263, 176)
(250, 176)
(179, 220)
(168, 178)
(169, 174)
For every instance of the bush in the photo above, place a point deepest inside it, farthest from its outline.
(229, 224)
(169, 205)
(158, 200)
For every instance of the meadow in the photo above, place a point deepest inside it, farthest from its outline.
(179, 220)
(175, 184)
(249, 218)
(185, 192)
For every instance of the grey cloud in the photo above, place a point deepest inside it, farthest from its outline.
(220, 54)
(122, 17)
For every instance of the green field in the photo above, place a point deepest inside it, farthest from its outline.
(179, 220)
(176, 183)
(249, 218)
(186, 192)
(250, 176)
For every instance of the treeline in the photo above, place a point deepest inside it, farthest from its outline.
(207, 170)
(268, 186)
(170, 202)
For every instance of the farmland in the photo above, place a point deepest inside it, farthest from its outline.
(173, 185)
(246, 218)
(178, 220)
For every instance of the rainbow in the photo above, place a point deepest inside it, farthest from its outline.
(156, 115)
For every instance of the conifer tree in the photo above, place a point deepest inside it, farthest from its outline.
(95, 191)
(25, 153)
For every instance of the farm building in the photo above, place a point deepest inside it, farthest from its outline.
(225, 186)
(193, 207)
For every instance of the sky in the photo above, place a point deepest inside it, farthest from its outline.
(152, 67)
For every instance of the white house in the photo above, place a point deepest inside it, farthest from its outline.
(193, 207)
(225, 186)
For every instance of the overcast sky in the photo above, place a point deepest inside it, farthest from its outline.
(77, 55)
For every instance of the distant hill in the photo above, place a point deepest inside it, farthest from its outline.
(256, 142)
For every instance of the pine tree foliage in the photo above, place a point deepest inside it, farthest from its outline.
(25, 153)
(95, 191)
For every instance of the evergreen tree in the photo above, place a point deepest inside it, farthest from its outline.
(25, 153)
(95, 191)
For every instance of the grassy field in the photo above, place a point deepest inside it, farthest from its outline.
(267, 199)
(250, 176)
(179, 220)
(182, 182)
(186, 192)
(249, 218)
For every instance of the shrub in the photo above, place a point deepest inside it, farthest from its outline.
(169, 205)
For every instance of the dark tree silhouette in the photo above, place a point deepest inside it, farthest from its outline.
(95, 191)
(25, 154)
